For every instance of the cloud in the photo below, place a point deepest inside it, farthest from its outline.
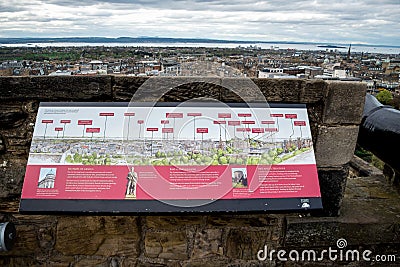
(366, 21)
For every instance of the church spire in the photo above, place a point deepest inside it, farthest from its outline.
(348, 53)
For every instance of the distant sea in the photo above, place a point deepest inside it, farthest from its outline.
(295, 46)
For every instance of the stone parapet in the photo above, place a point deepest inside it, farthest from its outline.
(334, 111)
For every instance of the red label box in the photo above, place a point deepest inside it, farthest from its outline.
(233, 123)
(248, 122)
(276, 115)
(290, 116)
(257, 130)
(85, 122)
(202, 130)
(224, 115)
(92, 130)
(167, 130)
(152, 129)
(299, 123)
(267, 122)
(175, 115)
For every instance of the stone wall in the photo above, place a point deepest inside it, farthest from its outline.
(228, 239)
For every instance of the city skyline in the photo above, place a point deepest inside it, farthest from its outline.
(364, 22)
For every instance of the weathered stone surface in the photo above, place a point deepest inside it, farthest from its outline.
(344, 103)
(45, 88)
(91, 261)
(281, 90)
(172, 222)
(16, 142)
(18, 262)
(313, 91)
(240, 90)
(178, 89)
(361, 168)
(60, 261)
(332, 182)
(166, 245)
(223, 261)
(35, 236)
(124, 87)
(11, 116)
(311, 232)
(314, 112)
(245, 220)
(369, 215)
(244, 243)
(335, 145)
(208, 241)
(2, 145)
(26, 243)
(12, 173)
(127, 262)
(146, 262)
(97, 235)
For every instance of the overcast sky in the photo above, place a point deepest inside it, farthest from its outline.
(350, 21)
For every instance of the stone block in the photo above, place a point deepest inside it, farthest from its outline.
(172, 222)
(98, 235)
(17, 141)
(91, 261)
(171, 245)
(245, 220)
(335, 145)
(26, 243)
(12, 116)
(369, 215)
(128, 262)
(208, 242)
(313, 91)
(145, 262)
(60, 261)
(209, 262)
(46, 88)
(2, 146)
(244, 243)
(35, 236)
(18, 262)
(309, 232)
(344, 103)
(314, 112)
(281, 90)
(12, 172)
(236, 90)
(178, 89)
(332, 182)
(124, 87)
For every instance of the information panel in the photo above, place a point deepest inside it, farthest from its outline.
(170, 157)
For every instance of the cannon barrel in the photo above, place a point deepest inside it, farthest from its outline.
(380, 131)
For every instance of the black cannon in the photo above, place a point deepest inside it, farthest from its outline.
(380, 132)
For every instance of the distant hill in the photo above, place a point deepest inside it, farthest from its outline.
(146, 39)
(114, 40)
